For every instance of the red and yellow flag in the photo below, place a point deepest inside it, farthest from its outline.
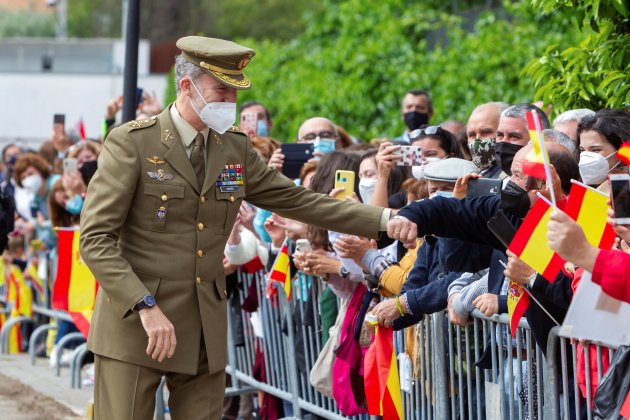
(517, 303)
(75, 285)
(588, 208)
(382, 384)
(623, 154)
(32, 275)
(534, 163)
(19, 295)
(281, 270)
(530, 243)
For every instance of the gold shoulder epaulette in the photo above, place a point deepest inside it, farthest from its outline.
(234, 128)
(136, 124)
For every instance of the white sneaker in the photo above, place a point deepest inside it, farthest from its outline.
(53, 357)
(66, 357)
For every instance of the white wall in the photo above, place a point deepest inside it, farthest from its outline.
(29, 101)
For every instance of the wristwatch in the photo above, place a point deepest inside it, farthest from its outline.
(343, 272)
(147, 301)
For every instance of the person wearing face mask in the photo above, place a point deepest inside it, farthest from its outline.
(416, 111)
(154, 225)
(436, 143)
(512, 133)
(32, 173)
(481, 130)
(263, 120)
(599, 137)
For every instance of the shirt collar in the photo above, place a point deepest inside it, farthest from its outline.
(186, 131)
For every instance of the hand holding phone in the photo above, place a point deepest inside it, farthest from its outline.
(70, 165)
(620, 194)
(303, 246)
(344, 180)
(249, 122)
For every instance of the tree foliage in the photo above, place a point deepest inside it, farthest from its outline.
(594, 72)
(357, 58)
(26, 24)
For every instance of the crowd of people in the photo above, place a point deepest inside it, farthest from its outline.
(442, 255)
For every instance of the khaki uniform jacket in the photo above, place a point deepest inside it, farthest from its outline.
(164, 236)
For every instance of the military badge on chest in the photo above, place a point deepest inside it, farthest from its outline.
(231, 178)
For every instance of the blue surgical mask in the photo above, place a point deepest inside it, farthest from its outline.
(324, 146)
(74, 205)
(259, 224)
(445, 194)
(262, 128)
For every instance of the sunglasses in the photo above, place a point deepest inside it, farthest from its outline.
(423, 132)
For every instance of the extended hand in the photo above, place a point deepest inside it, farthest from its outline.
(353, 247)
(386, 312)
(461, 185)
(161, 333)
(517, 270)
(402, 229)
(567, 238)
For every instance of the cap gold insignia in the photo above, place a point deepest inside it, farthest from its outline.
(135, 124)
(244, 62)
(155, 160)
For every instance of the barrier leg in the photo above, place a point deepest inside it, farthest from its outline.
(32, 342)
(65, 340)
(75, 365)
(6, 330)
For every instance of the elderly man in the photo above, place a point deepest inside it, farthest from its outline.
(481, 131)
(568, 121)
(156, 219)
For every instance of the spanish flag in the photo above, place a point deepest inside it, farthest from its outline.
(75, 286)
(623, 154)
(530, 242)
(588, 208)
(281, 270)
(517, 303)
(534, 163)
(37, 283)
(382, 384)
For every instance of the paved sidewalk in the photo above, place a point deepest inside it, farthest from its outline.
(34, 392)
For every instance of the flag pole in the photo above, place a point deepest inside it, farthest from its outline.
(543, 152)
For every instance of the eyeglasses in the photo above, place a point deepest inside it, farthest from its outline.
(322, 135)
(423, 132)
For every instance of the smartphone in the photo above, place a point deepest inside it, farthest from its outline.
(409, 156)
(69, 165)
(139, 97)
(249, 122)
(483, 186)
(295, 156)
(303, 246)
(59, 119)
(345, 180)
(620, 192)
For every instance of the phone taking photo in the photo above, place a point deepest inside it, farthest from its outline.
(69, 165)
(249, 122)
(409, 156)
(620, 194)
(303, 246)
(344, 180)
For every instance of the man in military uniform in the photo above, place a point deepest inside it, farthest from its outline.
(156, 219)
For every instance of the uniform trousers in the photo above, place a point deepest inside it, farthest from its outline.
(124, 391)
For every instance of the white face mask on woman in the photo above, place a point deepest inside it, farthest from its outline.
(594, 167)
(32, 183)
(366, 189)
(219, 116)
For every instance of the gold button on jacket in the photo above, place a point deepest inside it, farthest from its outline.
(140, 235)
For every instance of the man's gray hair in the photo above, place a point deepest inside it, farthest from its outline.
(184, 68)
(501, 105)
(572, 115)
(559, 137)
(519, 111)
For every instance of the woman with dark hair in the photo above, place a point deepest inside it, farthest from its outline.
(599, 138)
(382, 185)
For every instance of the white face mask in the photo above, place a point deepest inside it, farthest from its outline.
(32, 183)
(366, 189)
(418, 171)
(219, 116)
(594, 167)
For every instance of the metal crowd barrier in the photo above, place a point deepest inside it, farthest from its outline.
(564, 396)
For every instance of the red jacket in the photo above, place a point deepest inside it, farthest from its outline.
(612, 273)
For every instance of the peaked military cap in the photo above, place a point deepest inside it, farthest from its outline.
(449, 169)
(223, 60)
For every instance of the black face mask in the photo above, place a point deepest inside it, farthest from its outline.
(514, 200)
(87, 171)
(504, 155)
(415, 120)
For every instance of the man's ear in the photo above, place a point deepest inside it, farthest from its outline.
(185, 86)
